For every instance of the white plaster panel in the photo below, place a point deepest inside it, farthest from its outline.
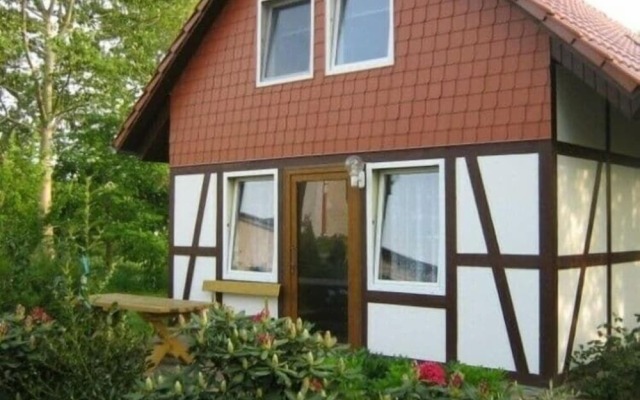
(413, 332)
(580, 112)
(625, 293)
(576, 178)
(625, 134)
(593, 307)
(524, 286)
(625, 208)
(567, 288)
(482, 334)
(599, 233)
(208, 230)
(180, 268)
(511, 184)
(250, 304)
(205, 269)
(187, 189)
(470, 236)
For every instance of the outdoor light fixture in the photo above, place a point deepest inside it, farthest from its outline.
(355, 168)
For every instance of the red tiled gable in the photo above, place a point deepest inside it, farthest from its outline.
(609, 46)
(605, 42)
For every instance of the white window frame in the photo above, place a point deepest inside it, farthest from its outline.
(229, 207)
(262, 44)
(374, 229)
(332, 14)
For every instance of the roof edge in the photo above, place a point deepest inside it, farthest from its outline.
(166, 74)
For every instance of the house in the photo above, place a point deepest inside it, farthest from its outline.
(488, 210)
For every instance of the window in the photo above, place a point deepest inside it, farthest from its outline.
(406, 235)
(250, 226)
(285, 29)
(359, 34)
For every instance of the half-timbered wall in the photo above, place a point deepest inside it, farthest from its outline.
(598, 211)
(490, 313)
(194, 242)
(498, 305)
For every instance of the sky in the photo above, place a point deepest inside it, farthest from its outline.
(625, 11)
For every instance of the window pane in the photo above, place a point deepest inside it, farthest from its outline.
(253, 226)
(363, 33)
(289, 40)
(410, 227)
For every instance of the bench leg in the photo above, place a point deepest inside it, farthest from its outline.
(168, 345)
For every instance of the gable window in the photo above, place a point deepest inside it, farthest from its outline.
(406, 235)
(285, 29)
(359, 34)
(250, 222)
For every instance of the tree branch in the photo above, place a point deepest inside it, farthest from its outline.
(68, 17)
(27, 52)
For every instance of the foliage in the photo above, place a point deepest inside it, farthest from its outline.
(240, 357)
(81, 354)
(74, 80)
(609, 368)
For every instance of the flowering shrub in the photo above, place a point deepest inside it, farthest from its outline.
(432, 373)
(242, 357)
(20, 336)
(86, 355)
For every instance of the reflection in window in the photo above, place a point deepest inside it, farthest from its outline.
(362, 31)
(288, 40)
(252, 225)
(409, 233)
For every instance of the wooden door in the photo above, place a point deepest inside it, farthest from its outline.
(323, 271)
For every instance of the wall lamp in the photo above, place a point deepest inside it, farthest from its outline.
(355, 168)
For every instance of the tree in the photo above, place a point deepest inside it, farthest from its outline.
(71, 70)
(64, 59)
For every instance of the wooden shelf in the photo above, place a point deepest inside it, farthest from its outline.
(261, 289)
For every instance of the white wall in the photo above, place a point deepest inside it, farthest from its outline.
(187, 194)
(251, 305)
(625, 208)
(482, 333)
(205, 269)
(470, 236)
(511, 184)
(180, 268)
(413, 332)
(208, 229)
(524, 286)
(593, 307)
(187, 189)
(625, 292)
(576, 179)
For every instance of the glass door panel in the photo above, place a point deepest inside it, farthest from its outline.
(322, 255)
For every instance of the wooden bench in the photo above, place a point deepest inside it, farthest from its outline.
(157, 311)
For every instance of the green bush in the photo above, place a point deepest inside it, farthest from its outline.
(609, 368)
(82, 354)
(241, 357)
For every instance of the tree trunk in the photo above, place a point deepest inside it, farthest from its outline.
(48, 126)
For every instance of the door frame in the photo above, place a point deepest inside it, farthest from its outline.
(354, 245)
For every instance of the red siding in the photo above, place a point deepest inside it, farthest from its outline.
(466, 71)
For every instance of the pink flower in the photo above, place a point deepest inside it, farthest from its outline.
(316, 385)
(456, 380)
(261, 316)
(39, 315)
(432, 373)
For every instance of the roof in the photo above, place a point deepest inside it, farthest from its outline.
(611, 48)
(604, 42)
